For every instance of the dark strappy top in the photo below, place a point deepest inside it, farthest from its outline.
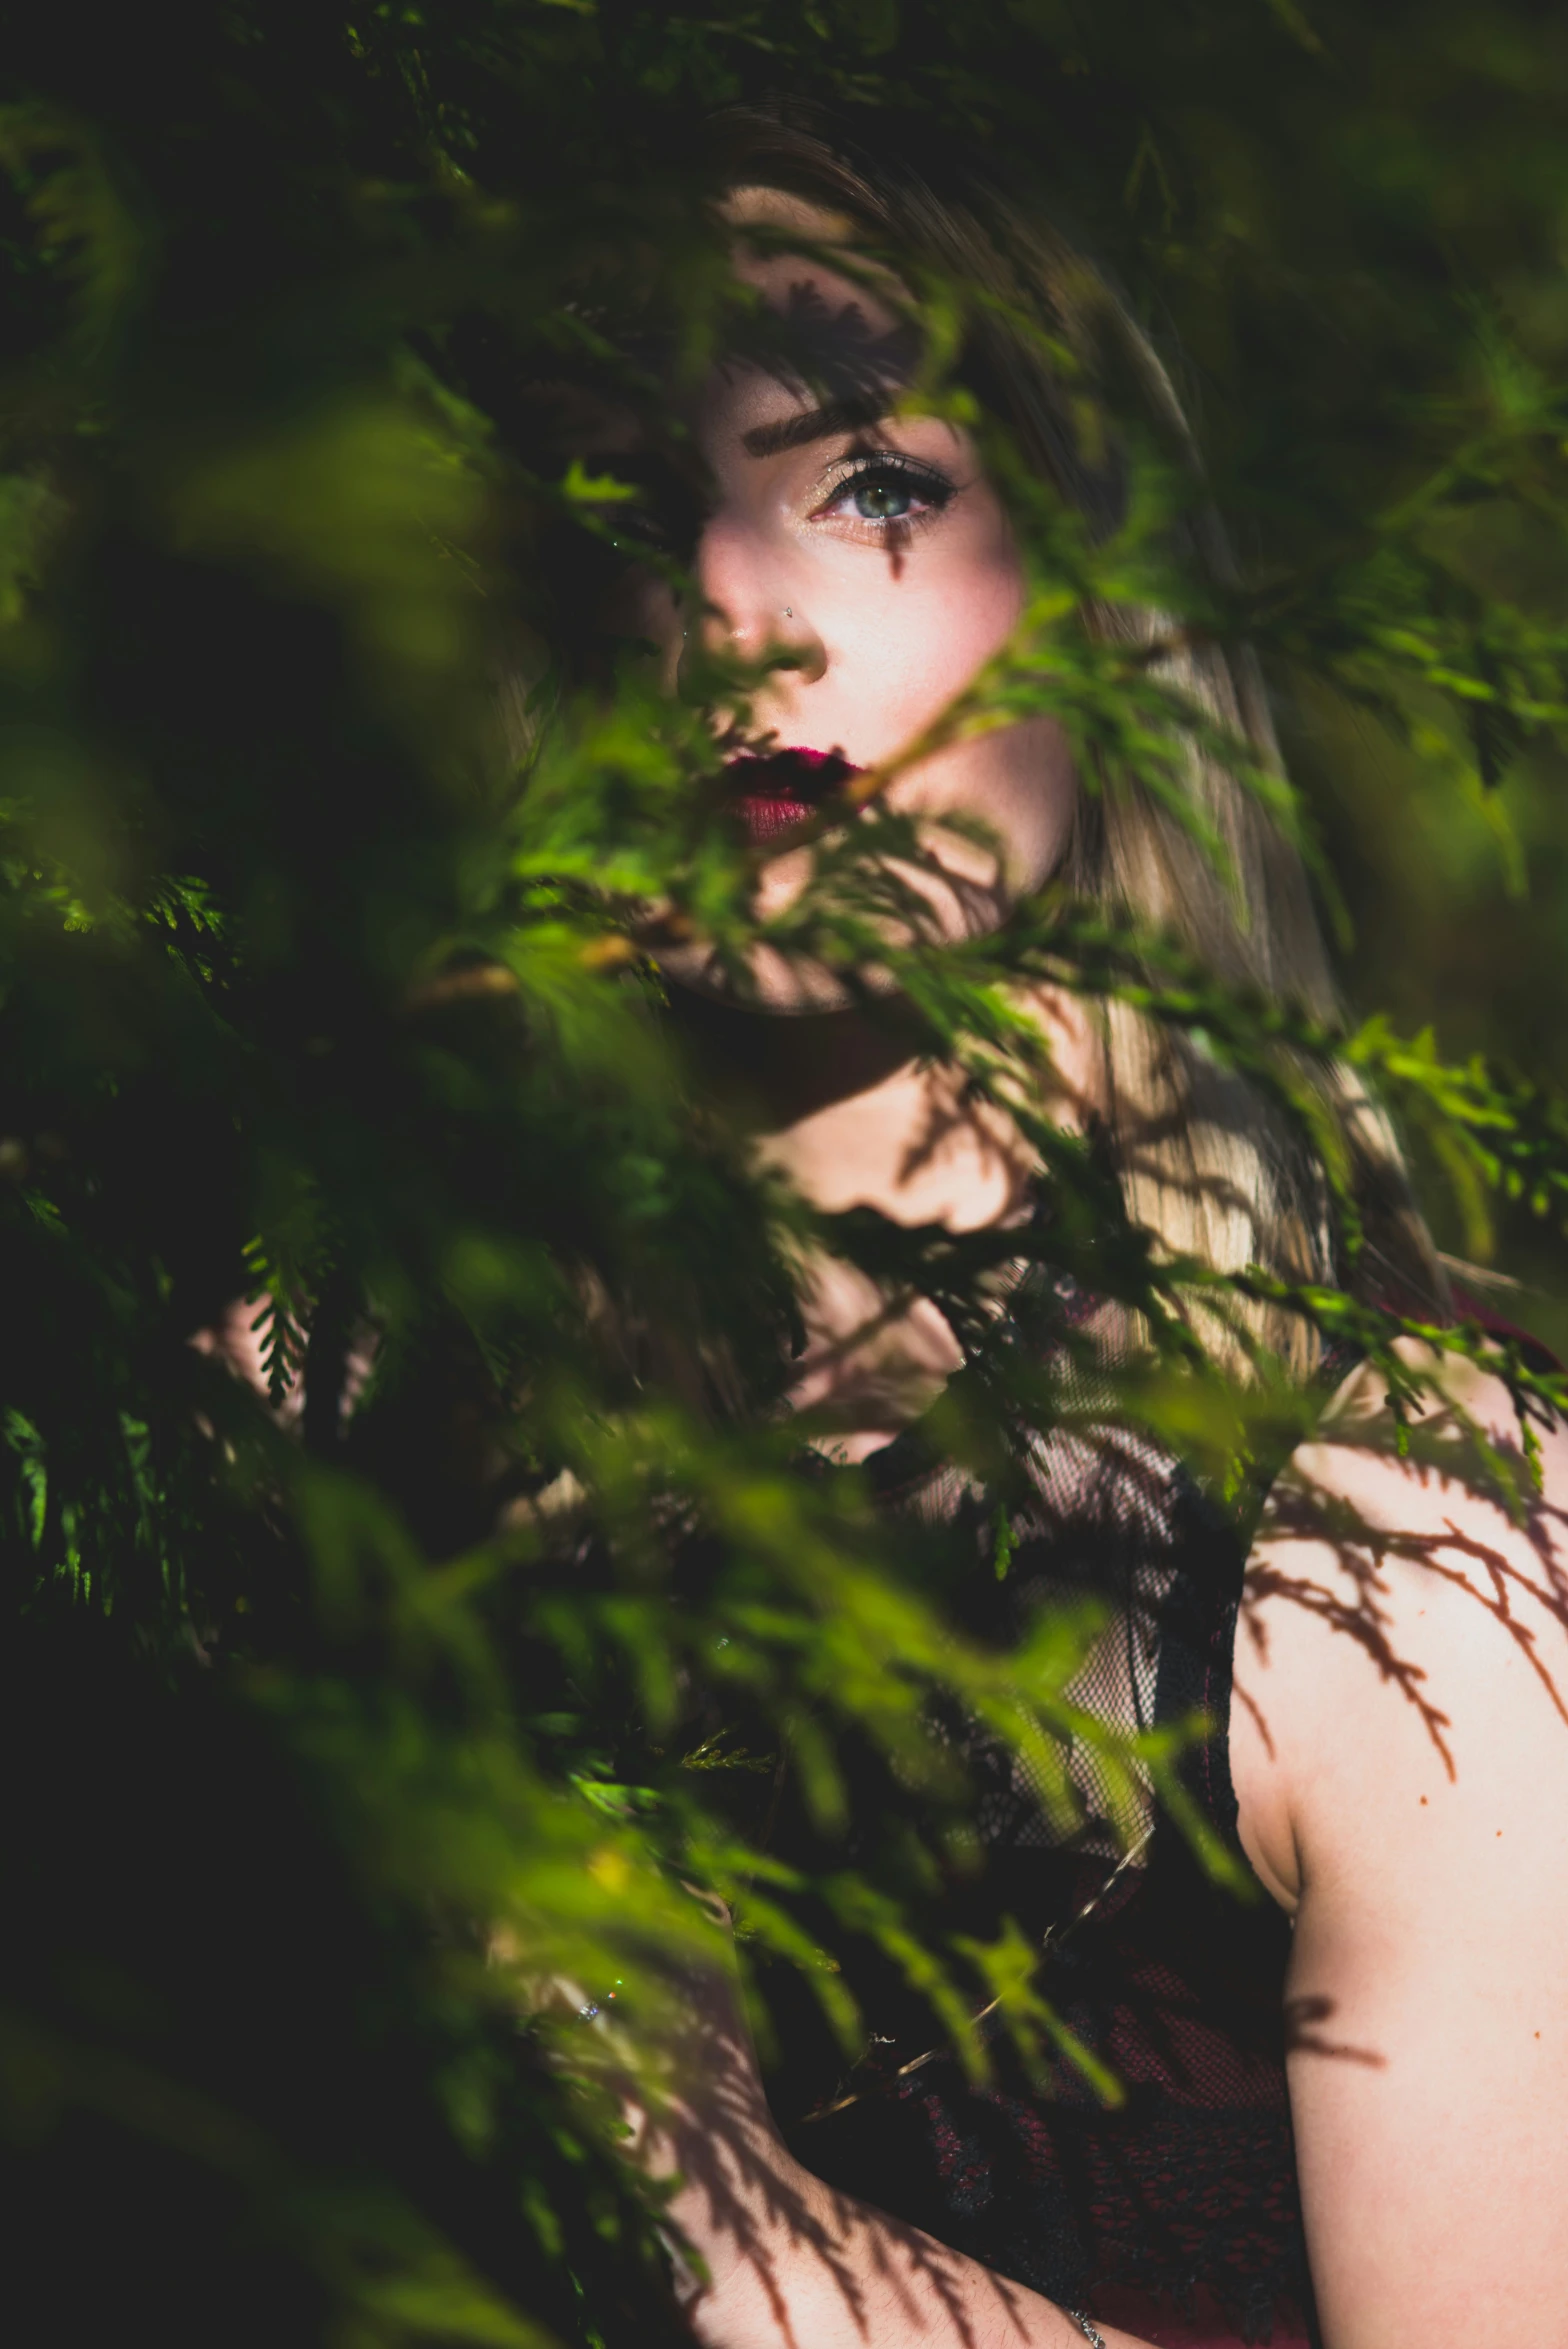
(1186, 2193)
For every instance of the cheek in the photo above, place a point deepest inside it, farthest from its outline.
(916, 636)
(1029, 791)
(917, 642)
(1020, 782)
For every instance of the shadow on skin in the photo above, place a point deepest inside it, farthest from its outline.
(1442, 1454)
(1303, 2016)
(742, 2197)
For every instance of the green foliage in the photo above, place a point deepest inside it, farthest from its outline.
(345, 1732)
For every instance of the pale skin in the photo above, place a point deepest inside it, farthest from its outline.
(1399, 1740)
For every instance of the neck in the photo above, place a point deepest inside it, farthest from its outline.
(844, 1105)
(850, 1108)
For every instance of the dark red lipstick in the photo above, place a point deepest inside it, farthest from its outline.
(773, 793)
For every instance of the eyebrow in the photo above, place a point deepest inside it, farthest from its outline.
(793, 432)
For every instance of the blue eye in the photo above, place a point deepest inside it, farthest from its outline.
(882, 499)
(888, 490)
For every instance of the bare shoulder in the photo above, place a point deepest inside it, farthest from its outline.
(1402, 1652)
(1400, 1749)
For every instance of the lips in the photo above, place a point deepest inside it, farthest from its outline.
(773, 794)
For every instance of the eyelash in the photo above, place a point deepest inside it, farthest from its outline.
(892, 465)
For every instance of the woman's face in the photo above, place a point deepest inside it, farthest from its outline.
(875, 554)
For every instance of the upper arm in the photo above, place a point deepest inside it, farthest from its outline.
(1401, 1748)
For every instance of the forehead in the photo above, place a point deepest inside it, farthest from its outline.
(827, 337)
(844, 333)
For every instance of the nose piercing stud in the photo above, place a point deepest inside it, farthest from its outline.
(789, 611)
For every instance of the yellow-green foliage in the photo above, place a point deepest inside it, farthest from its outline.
(344, 1751)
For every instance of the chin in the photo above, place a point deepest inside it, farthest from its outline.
(781, 986)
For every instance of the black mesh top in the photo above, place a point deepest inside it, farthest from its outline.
(1186, 2192)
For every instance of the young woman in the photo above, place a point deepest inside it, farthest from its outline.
(1344, 2104)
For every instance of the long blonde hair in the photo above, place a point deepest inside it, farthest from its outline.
(1207, 1162)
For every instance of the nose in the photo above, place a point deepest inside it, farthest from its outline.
(754, 608)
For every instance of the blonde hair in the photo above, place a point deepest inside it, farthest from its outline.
(1207, 1162)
